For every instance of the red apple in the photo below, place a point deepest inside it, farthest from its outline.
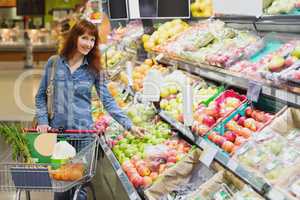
(171, 159)
(248, 111)
(137, 181)
(236, 118)
(211, 136)
(241, 121)
(220, 140)
(209, 121)
(230, 136)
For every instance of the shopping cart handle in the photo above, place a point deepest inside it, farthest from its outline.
(54, 130)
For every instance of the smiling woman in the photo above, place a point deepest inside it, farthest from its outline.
(71, 76)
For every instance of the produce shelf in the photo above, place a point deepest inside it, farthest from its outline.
(230, 78)
(122, 177)
(257, 183)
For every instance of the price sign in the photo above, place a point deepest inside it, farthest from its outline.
(187, 104)
(275, 195)
(208, 155)
(238, 7)
(254, 90)
(151, 86)
(232, 164)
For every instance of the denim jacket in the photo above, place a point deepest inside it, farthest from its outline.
(72, 97)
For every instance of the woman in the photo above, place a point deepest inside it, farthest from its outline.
(77, 70)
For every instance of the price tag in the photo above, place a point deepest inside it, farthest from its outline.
(159, 56)
(266, 90)
(232, 164)
(208, 155)
(129, 69)
(187, 104)
(275, 195)
(281, 94)
(253, 91)
(133, 196)
(151, 86)
(119, 172)
(237, 7)
(203, 144)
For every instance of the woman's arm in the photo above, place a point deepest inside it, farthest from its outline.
(109, 103)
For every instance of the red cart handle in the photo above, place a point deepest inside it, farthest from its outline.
(54, 130)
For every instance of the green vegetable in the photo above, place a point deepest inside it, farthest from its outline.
(14, 136)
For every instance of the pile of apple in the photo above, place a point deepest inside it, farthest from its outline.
(140, 72)
(141, 114)
(281, 59)
(201, 8)
(143, 172)
(206, 117)
(164, 32)
(240, 128)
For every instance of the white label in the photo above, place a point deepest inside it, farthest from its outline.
(232, 164)
(281, 94)
(187, 104)
(238, 7)
(203, 144)
(129, 69)
(266, 90)
(119, 172)
(275, 195)
(208, 155)
(134, 9)
(151, 87)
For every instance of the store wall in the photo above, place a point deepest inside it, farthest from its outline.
(50, 4)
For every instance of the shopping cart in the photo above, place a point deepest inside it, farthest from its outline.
(18, 177)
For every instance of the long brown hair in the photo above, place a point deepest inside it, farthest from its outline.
(70, 43)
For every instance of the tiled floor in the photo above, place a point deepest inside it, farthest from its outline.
(17, 91)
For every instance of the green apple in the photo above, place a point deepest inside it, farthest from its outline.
(136, 120)
(296, 52)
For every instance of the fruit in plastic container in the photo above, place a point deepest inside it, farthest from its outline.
(250, 123)
(296, 52)
(228, 146)
(230, 136)
(276, 64)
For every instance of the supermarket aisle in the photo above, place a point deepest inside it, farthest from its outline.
(18, 88)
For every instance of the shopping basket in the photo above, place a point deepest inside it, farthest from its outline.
(18, 177)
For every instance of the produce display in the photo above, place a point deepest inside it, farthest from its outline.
(202, 8)
(212, 43)
(144, 159)
(207, 117)
(275, 151)
(239, 129)
(269, 65)
(165, 32)
(275, 7)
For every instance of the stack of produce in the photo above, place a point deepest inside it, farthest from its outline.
(207, 117)
(201, 8)
(165, 32)
(111, 58)
(240, 129)
(140, 72)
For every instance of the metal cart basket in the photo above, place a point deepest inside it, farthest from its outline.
(18, 177)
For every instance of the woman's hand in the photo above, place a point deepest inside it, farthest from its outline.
(138, 131)
(43, 128)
